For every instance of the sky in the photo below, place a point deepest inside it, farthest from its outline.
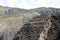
(30, 4)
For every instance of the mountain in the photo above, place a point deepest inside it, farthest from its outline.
(33, 24)
(46, 10)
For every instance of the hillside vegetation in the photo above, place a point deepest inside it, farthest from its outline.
(34, 24)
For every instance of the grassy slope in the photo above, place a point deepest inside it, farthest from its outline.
(6, 18)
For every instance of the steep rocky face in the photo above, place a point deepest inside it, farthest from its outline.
(9, 27)
(13, 19)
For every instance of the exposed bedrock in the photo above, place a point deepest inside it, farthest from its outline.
(9, 29)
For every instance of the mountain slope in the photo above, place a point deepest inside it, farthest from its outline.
(34, 24)
(43, 27)
(13, 19)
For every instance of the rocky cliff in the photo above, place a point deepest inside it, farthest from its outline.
(12, 20)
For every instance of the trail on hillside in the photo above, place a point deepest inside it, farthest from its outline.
(32, 29)
(47, 26)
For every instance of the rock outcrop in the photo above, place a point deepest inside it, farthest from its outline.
(9, 28)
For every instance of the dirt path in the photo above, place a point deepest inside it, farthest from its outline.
(2, 28)
(43, 34)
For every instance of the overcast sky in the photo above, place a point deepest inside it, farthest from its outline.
(29, 4)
